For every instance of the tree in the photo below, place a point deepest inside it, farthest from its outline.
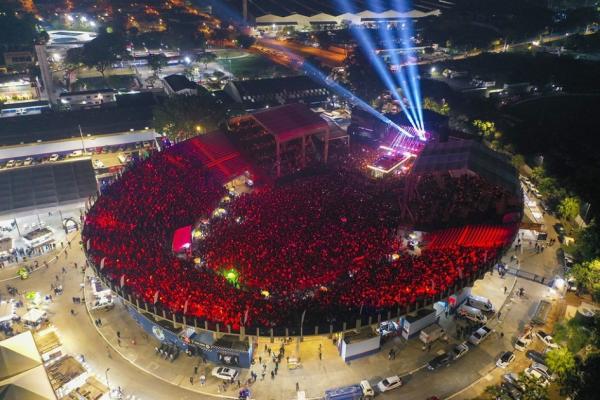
(206, 58)
(181, 117)
(362, 77)
(587, 245)
(569, 208)
(245, 41)
(440, 107)
(72, 63)
(533, 389)
(157, 62)
(582, 384)
(518, 160)
(587, 275)
(561, 361)
(103, 51)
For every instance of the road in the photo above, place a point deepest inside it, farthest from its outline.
(297, 51)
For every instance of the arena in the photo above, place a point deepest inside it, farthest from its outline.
(324, 245)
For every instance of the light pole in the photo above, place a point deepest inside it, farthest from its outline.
(82, 142)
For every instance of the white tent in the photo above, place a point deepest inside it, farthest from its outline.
(7, 311)
(34, 316)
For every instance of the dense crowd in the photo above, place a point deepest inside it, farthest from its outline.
(324, 241)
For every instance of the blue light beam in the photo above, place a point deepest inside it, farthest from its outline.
(367, 46)
(413, 72)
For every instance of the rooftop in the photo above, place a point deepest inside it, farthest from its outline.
(179, 82)
(290, 121)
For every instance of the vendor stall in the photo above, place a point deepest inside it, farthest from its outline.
(34, 318)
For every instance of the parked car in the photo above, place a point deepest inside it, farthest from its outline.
(76, 153)
(547, 339)
(523, 342)
(479, 335)
(98, 164)
(389, 383)
(225, 373)
(459, 350)
(10, 164)
(443, 360)
(28, 161)
(505, 359)
(513, 379)
(511, 390)
(54, 157)
(537, 375)
(536, 356)
(560, 229)
(543, 368)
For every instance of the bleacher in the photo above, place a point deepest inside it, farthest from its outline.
(484, 236)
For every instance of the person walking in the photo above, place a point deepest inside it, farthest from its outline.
(505, 289)
(297, 387)
(119, 334)
(191, 380)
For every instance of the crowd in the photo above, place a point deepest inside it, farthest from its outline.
(324, 241)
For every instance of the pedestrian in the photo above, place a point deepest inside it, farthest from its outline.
(191, 380)
(262, 376)
(119, 342)
(265, 347)
(259, 359)
(505, 289)
(499, 314)
(82, 358)
(119, 334)
(195, 370)
(320, 355)
(429, 347)
(272, 375)
(297, 387)
(239, 384)
(99, 322)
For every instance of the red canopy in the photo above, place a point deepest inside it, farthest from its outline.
(182, 239)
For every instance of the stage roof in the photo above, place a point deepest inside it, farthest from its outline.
(219, 155)
(290, 121)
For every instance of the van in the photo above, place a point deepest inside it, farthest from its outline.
(480, 302)
(472, 313)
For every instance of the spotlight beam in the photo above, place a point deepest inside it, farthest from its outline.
(399, 75)
(367, 45)
(412, 68)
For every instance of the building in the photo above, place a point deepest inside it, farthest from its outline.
(88, 99)
(15, 88)
(18, 59)
(179, 85)
(272, 22)
(260, 93)
(24, 108)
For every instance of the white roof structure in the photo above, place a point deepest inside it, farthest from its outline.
(7, 311)
(18, 354)
(33, 315)
(29, 385)
(365, 16)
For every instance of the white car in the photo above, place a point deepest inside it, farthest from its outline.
(547, 339)
(480, 334)
(459, 350)
(543, 368)
(76, 153)
(10, 164)
(225, 373)
(28, 161)
(98, 164)
(523, 342)
(54, 157)
(505, 359)
(389, 383)
(537, 375)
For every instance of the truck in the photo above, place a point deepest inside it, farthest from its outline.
(431, 334)
(471, 313)
(480, 302)
(361, 391)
